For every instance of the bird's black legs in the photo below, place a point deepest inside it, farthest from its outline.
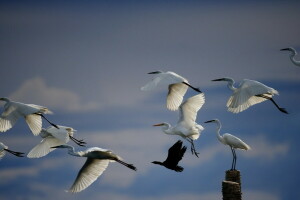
(196, 89)
(130, 166)
(48, 121)
(272, 100)
(78, 142)
(19, 154)
(193, 149)
(233, 159)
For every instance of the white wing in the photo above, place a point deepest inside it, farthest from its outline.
(44, 147)
(244, 96)
(189, 109)
(62, 133)
(35, 123)
(2, 153)
(175, 95)
(235, 142)
(89, 173)
(9, 117)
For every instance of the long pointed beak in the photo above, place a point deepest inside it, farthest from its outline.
(161, 124)
(156, 72)
(285, 49)
(56, 147)
(209, 121)
(219, 79)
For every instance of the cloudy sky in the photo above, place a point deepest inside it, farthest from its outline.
(86, 61)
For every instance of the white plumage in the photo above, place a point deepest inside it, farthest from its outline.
(293, 54)
(186, 126)
(177, 87)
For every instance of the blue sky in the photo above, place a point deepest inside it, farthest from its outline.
(86, 61)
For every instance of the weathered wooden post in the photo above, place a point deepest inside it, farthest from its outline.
(231, 186)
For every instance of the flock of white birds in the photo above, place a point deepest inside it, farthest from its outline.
(247, 94)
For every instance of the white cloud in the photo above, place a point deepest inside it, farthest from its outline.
(38, 92)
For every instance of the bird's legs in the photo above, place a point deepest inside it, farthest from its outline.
(196, 89)
(193, 149)
(48, 121)
(271, 99)
(78, 142)
(130, 166)
(19, 154)
(233, 158)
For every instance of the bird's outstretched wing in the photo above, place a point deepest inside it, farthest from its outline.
(189, 109)
(175, 95)
(35, 123)
(175, 153)
(44, 147)
(89, 173)
(244, 96)
(9, 117)
(62, 133)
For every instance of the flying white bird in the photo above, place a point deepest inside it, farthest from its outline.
(53, 137)
(230, 140)
(177, 87)
(95, 164)
(4, 148)
(247, 94)
(186, 126)
(175, 154)
(32, 114)
(292, 55)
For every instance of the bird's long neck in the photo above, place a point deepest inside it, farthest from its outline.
(230, 85)
(220, 138)
(293, 59)
(167, 129)
(72, 152)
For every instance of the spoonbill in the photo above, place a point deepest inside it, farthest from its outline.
(186, 126)
(177, 85)
(4, 148)
(292, 55)
(230, 140)
(247, 94)
(175, 154)
(32, 114)
(95, 164)
(53, 137)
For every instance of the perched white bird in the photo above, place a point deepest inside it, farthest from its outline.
(230, 140)
(247, 94)
(292, 55)
(4, 148)
(53, 137)
(32, 114)
(186, 126)
(177, 87)
(96, 163)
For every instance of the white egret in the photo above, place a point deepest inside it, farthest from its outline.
(230, 140)
(96, 163)
(175, 154)
(32, 114)
(292, 55)
(53, 137)
(4, 148)
(186, 126)
(177, 87)
(247, 94)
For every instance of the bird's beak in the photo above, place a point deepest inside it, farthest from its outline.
(285, 49)
(219, 79)
(156, 72)
(56, 147)
(161, 124)
(209, 121)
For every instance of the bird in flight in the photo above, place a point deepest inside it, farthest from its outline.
(293, 54)
(249, 93)
(95, 164)
(177, 87)
(32, 114)
(53, 137)
(230, 140)
(186, 126)
(175, 154)
(4, 148)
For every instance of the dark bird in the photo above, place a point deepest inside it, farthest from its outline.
(175, 154)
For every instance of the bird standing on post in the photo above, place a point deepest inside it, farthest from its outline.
(53, 137)
(175, 154)
(249, 93)
(95, 164)
(177, 87)
(230, 140)
(32, 114)
(186, 126)
(292, 55)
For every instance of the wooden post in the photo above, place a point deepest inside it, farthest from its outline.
(231, 186)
